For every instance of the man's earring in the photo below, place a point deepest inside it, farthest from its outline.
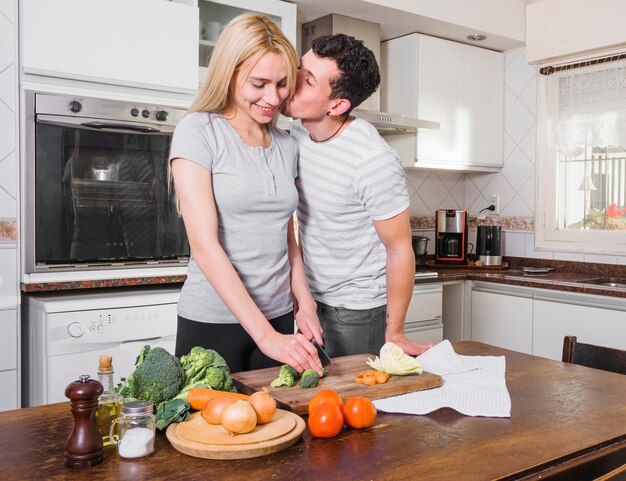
(328, 113)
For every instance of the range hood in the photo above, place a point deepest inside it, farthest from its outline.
(369, 32)
(391, 124)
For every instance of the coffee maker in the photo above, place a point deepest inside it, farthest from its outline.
(451, 227)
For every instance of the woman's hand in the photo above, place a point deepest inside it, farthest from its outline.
(292, 349)
(307, 321)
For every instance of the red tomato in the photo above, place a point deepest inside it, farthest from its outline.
(325, 421)
(359, 412)
(325, 396)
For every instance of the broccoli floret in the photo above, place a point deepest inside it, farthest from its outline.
(310, 378)
(324, 372)
(287, 376)
(158, 378)
(228, 383)
(206, 368)
(214, 378)
(196, 360)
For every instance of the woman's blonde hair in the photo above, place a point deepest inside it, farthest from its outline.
(246, 36)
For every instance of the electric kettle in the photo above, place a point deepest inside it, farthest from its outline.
(489, 245)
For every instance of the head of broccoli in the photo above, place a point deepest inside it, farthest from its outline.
(158, 378)
(310, 378)
(125, 387)
(205, 368)
(287, 376)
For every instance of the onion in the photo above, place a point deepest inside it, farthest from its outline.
(239, 417)
(264, 406)
(212, 412)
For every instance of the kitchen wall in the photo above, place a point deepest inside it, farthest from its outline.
(515, 183)
(9, 284)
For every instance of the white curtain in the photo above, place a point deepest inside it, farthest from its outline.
(586, 108)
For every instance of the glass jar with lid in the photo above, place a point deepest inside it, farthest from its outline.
(135, 430)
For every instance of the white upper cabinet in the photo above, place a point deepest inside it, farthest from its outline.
(142, 43)
(562, 30)
(457, 85)
(215, 14)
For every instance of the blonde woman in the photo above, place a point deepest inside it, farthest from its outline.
(234, 177)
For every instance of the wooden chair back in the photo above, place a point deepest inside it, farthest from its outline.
(598, 357)
(618, 474)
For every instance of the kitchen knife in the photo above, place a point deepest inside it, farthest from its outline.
(321, 353)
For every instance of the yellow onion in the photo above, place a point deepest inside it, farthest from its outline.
(212, 412)
(264, 406)
(239, 417)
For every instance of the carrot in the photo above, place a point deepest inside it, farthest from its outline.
(371, 377)
(381, 377)
(368, 380)
(198, 397)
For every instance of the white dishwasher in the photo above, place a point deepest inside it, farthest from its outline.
(63, 334)
(423, 321)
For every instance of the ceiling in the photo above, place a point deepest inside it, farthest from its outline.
(502, 21)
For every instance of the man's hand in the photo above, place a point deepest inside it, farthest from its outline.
(410, 347)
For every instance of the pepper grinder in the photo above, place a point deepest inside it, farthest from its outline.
(84, 444)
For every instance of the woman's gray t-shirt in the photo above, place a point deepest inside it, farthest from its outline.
(255, 196)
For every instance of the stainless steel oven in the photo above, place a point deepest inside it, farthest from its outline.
(96, 187)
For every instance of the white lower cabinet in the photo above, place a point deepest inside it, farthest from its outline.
(456, 321)
(8, 339)
(8, 390)
(423, 318)
(502, 316)
(593, 319)
(535, 321)
(8, 360)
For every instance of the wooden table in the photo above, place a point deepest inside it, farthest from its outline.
(567, 422)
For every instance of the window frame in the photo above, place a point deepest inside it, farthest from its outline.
(548, 237)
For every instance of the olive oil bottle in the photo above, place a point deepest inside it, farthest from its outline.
(109, 402)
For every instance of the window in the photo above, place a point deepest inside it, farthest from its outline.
(581, 201)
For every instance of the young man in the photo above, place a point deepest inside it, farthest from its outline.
(353, 204)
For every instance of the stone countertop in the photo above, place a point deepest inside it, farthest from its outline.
(568, 276)
(576, 277)
(102, 283)
(561, 281)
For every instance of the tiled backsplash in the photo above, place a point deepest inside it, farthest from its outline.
(8, 111)
(8, 137)
(8, 231)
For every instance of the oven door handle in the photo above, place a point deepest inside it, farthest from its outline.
(117, 126)
(91, 123)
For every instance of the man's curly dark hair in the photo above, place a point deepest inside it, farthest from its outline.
(359, 74)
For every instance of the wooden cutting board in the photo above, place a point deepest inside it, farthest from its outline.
(195, 437)
(343, 370)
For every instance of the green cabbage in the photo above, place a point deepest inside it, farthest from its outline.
(393, 360)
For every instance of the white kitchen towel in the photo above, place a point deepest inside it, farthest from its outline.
(473, 385)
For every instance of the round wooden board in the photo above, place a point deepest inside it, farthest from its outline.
(198, 430)
(209, 450)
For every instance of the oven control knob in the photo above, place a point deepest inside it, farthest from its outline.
(134, 112)
(75, 329)
(161, 115)
(75, 106)
(145, 113)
